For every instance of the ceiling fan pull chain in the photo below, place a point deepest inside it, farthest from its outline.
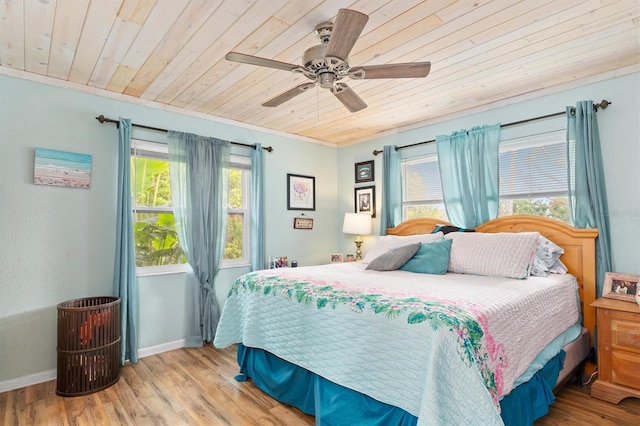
(317, 105)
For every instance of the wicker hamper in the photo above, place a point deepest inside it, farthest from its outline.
(88, 345)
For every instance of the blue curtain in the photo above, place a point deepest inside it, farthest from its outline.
(199, 168)
(587, 193)
(125, 284)
(257, 209)
(469, 173)
(391, 210)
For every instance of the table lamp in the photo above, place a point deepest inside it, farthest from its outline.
(358, 224)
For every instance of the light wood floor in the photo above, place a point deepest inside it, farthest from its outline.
(197, 386)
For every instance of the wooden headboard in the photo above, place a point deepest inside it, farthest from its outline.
(578, 244)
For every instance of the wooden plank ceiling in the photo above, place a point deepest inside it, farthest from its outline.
(172, 52)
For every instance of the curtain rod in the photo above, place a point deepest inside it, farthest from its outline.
(102, 119)
(604, 104)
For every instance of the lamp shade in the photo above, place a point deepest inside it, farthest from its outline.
(357, 223)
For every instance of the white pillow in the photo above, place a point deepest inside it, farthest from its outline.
(546, 256)
(501, 254)
(387, 242)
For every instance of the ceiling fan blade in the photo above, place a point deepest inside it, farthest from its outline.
(349, 24)
(291, 93)
(348, 97)
(406, 70)
(261, 62)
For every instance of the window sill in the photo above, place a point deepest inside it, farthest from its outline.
(150, 271)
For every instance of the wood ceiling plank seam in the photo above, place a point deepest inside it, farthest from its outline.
(136, 11)
(462, 27)
(187, 24)
(67, 27)
(439, 85)
(38, 26)
(205, 48)
(97, 25)
(122, 35)
(214, 54)
(210, 83)
(154, 29)
(402, 28)
(566, 22)
(12, 34)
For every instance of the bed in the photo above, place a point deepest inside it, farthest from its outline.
(352, 345)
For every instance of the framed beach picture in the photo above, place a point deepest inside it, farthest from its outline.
(61, 168)
(365, 200)
(620, 286)
(301, 192)
(365, 171)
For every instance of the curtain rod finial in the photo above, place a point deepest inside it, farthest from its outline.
(376, 152)
(101, 118)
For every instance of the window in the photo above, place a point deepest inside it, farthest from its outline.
(533, 180)
(157, 246)
(533, 176)
(422, 190)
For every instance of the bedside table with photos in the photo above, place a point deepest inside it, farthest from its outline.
(618, 346)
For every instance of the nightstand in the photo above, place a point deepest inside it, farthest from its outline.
(618, 324)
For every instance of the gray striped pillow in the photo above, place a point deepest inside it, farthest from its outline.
(394, 258)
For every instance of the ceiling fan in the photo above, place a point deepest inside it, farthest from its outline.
(327, 64)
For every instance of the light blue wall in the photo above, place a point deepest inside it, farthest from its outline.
(619, 133)
(58, 243)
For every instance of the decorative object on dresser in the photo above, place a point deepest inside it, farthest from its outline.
(365, 172)
(620, 286)
(357, 224)
(618, 350)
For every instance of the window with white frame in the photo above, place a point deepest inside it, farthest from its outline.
(533, 180)
(534, 175)
(422, 190)
(157, 246)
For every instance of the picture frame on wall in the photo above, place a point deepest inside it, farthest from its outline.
(302, 223)
(621, 286)
(365, 171)
(301, 192)
(365, 200)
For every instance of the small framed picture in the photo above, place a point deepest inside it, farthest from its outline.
(336, 258)
(302, 223)
(620, 286)
(365, 200)
(301, 192)
(365, 172)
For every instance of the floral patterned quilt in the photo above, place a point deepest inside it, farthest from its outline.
(424, 343)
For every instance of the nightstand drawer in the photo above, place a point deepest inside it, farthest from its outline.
(625, 335)
(625, 369)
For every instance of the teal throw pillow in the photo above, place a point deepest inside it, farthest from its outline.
(431, 258)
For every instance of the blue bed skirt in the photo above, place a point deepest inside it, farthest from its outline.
(332, 404)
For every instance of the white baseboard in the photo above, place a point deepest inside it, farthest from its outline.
(48, 375)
